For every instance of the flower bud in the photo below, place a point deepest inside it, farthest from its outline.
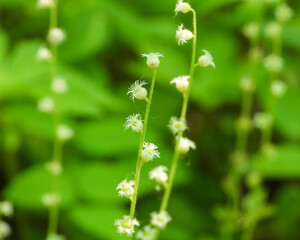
(183, 35)
(44, 54)
(185, 145)
(149, 152)
(182, 7)
(182, 83)
(278, 88)
(153, 59)
(56, 36)
(136, 90)
(206, 60)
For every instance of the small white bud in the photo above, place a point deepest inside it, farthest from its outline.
(44, 4)
(160, 219)
(126, 189)
(64, 132)
(251, 30)
(283, 13)
(56, 36)
(136, 90)
(159, 175)
(182, 83)
(6, 209)
(126, 225)
(183, 35)
(273, 63)
(185, 145)
(247, 84)
(44, 54)
(206, 60)
(278, 88)
(135, 123)
(149, 152)
(5, 230)
(59, 85)
(176, 125)
(46, 105)
(263, 120)
(153, 59)
(182, 7)
(54, 167)
(54, 236)
(273, 30)
(148, 233)
(51, 199)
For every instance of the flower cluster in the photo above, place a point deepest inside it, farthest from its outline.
(6, 210)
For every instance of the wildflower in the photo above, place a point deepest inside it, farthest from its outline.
(126, 225)
(273, 30)
(56, 36)
(44, 4)
(126, 189)
(44, 54)
(159, 174)
(64, 132)
(273, 63)
(183, 35)
(177, 125)
(136, 90)
(283, 13)
(153, 59)
(135, 123)
(54, 167)
(247, 84)
(263, 120)
(54, 236)
(6, 209)
(5, 230)
(148, 233)
(251, 30)
(51, 199)
(46, 105)
(278, 88)
(59, 85)
(182, 83)
(160, 219)
(182, 7)
(185, 145)
(149, 152)
(206, 60)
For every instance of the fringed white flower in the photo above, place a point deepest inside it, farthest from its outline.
(149, 152)
(206, 59)
(136, 90)
(64, 132)
(185, 145)
(160, 219)
(56, 36)
(183, 7)
(183, 35)
(44, 54)
(181, 83)
(126, 189)
(159, 175)
(177, 125)
(153, 59)
(135, 123)
(148, 233)
(126, 225)
(46, 105)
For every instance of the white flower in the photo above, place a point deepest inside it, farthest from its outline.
(51, 199)
(153, 59)
(247, 84)
(251, 30)
(126, 189)
(56, 36)
(183, 35)
(263, 120)
(54, 167)
(149, 152)
(185, 145)
(44, 54)
(278, 88)
(283, 13)
(64, 132)
(182, 7)
(182, 83)
(54, 236)
(6, 209)
(273, 63)
(134, 122)
(159, 175)
(273, 30)
(126, 225)
(136, 90)
(5, 230)
(176, 125)
(206, 60)
(46, 105)
(160, 219)
(59, 85)
(43, 4)
(148, 233)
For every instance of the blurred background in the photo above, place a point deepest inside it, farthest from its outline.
(100, 59)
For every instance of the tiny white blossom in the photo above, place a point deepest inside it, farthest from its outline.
(160, 219)
(159, 175)
(153, 59)
(251, 30)
(51, 199)
(136, 90)
(185, 145)
(64, 132)
(44, 54)
(46, 105)
(6, 209)
(5, 230)
(56, 36)
(44, 4)
(278, 88)
(176, 125)
(263, 120)
(126, 225)
(182, 83)
(247, 84)
(273, 63)
(273, 30)
(54, 236)
(148, 233)
(183, 35)
(206, 59)
(54, 167)
(126, 189)
(283, 13)
(59, 85)
(149, 152)
(134, 122)
(182, 7)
